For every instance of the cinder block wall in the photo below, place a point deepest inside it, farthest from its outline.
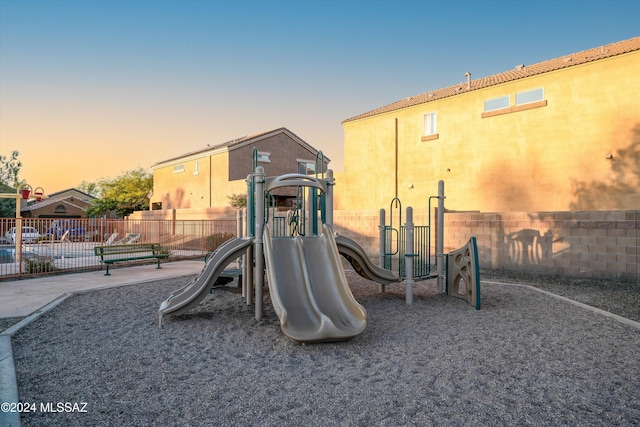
(601, 244)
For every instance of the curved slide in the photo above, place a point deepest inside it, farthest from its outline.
(357, 257)
(189, 296)
(309, 290)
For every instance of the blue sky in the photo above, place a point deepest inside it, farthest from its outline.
(90, 89)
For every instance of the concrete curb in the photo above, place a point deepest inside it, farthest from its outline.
(616, 317)
(8, 379)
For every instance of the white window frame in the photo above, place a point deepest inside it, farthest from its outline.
(178, 168)
(500, 106)
(264, 157)
(430, 124)
(530, 96)
(196, 168)
(308, 165)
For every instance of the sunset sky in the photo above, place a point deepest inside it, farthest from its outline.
(94, 88)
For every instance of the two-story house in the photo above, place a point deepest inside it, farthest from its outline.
(206, 178)
(558, 135)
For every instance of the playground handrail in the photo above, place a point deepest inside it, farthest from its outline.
(293, 179)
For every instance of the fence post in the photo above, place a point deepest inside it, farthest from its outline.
(381, 244)
(440, 239)
(408, 256)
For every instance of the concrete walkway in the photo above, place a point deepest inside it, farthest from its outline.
(20, 298)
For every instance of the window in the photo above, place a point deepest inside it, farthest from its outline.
(178, 168)
(264, 157)
(496, 103)
(430, 124)
(529, 96)
(526, 100)
(306, 167)
(196, 168)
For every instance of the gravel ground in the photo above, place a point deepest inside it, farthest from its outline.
(621, 298)
(526, 358)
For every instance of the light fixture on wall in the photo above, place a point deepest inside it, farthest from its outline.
(609, 156)
(410, 185)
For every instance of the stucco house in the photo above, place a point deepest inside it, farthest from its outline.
(70, 203)
(205, 178)
(558, 135)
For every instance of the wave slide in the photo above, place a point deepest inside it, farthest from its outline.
(357, 257)
(309, 289)
(189, 296)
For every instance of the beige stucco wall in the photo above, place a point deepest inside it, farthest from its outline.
(540, 159)
(200, 187)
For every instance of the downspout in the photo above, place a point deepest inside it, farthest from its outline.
(396, 161)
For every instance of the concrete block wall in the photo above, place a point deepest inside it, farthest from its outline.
(600, 244)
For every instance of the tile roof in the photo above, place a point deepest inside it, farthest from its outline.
(49, 202)
(247, 139)
(519, 72)
(240, 140)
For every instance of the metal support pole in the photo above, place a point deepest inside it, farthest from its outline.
(381, 243)
(259, 225)
(408, 256)
(239, 225)
(440, 239)
(247, 287)
(239, 231)
(330, 182)
(311, 223)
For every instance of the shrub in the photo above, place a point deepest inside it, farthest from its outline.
(238, 201)
(39, 265)
(164, 250)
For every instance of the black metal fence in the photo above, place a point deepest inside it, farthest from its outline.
(52, 246)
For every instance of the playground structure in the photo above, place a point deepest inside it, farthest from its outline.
(300, 256)
(407, 249)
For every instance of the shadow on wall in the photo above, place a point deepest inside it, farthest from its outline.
(624, 184)
(528, 246)
(174, 201)
(519, 249)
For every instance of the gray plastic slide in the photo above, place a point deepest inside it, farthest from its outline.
(189, 296)
(309, 290)
(357, 257)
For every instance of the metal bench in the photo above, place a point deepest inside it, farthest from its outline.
(138, 251)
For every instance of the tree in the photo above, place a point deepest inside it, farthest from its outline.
(122, 195)
(9, 170)
(238, 201)
(91, 188)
